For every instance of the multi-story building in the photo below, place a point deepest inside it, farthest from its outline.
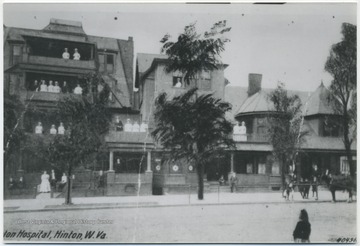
(39, 55)
(151, 80)
(322, 146)
(48, 56)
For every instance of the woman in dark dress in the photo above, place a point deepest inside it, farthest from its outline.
(303, 228)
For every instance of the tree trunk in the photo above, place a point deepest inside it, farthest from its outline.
(347, 143)
(69, 184)
(200, 173)
(282, 166)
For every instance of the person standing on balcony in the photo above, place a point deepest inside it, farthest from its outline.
(66, 54)
(76, 54)
(144, 127)
(53, 130)
(43, 86)
(136, 127)
(39, 129)
(35, 86)
(61, 129)
(57, 88)
(51, 86)
(119, 125)
(65, 88)
(236, 132)
(242, 128)
(128, 126)
(78, 90)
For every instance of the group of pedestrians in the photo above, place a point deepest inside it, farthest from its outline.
(48, 181)
(16, 184)
(303, 187)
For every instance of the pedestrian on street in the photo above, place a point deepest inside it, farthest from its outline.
(302, 230)
(233, 181)
(45, 184)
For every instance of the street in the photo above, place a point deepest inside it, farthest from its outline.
(237, 223)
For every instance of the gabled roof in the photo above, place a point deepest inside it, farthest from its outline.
(144, 61)
(318, 102)
(65, 26)
(104, 43)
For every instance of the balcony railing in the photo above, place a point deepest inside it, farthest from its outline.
(48, 96)
(129, 137)
(60, 62)
(252, 138)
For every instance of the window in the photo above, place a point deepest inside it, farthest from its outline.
(344, 165)
(16, 54)
(331, 128)
(106, 62)
(205, 81)
(13, 85)
(178, 82)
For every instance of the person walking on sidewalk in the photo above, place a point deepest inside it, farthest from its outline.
(45, 184)
(233, 181)
(302, 230)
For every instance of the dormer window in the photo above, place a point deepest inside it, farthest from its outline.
(331, 128)
(106, 62)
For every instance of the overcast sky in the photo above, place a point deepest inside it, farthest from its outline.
(288, 43)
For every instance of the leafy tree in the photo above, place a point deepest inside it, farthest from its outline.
(87, 119)
(341, 64)
(192, 129)
(13, 132)
(193, 53)
(285, 128)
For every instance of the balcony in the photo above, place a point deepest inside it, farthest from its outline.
(59, 62)
(251, 138)
(48, 96)
(128, 137)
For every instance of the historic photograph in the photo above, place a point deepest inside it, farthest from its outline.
(179, 123)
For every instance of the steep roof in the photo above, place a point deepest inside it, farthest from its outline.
(235, 95)
(318, 102)
(259, 102)
(65, 26)
(144, 61)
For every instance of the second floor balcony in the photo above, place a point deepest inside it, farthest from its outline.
(48, 96)
(59, 62)
(251, 138)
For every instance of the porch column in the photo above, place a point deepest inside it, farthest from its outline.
(232, 162)
(111, 161)
(148, 168)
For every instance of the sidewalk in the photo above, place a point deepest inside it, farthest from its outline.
(51, 204)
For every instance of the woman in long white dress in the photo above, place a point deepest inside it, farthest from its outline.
(45, 184)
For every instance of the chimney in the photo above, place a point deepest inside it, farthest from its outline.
(254, 83)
